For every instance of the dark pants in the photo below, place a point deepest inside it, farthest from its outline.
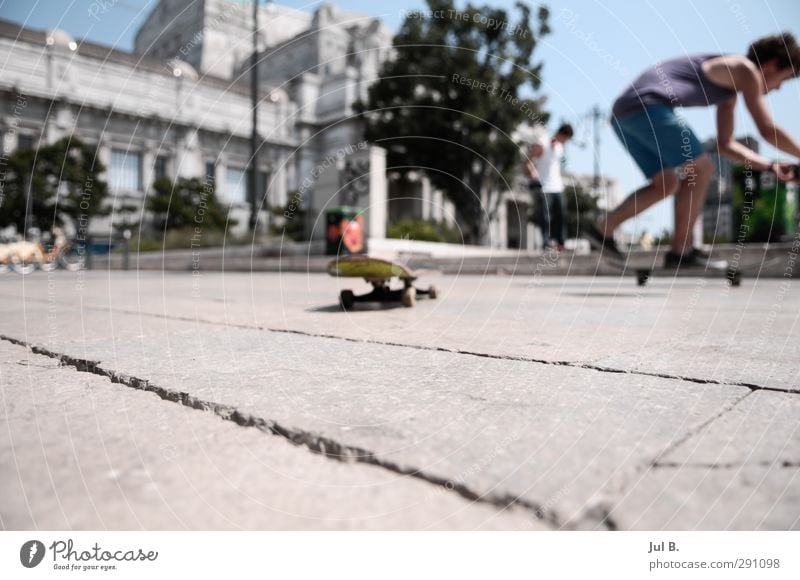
(553, 217)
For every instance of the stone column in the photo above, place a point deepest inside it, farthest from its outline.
(378, 193)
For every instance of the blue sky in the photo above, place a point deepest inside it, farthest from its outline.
(596, 48)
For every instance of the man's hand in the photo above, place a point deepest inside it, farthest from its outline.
(532, 170)
(785, 171)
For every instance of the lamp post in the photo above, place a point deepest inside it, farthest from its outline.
(254, 140)
(597, 115)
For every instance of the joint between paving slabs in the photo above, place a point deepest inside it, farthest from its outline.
(785, 464)
(325, 446)
(604, 508)
(571, 364)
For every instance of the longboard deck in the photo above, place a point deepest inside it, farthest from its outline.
(644, 270)
(371, 269)
(643, 275)
(379, 273)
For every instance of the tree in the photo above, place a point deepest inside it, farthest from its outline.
(64, 181)
(582, 209)
(450, 98)
(187, 203)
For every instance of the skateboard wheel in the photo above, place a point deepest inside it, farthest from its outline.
(433, 293)
(735, 278)
(642, 278)
(409, 297)
(346, 299)
(22, 266)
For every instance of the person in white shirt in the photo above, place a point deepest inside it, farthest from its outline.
(547, 186)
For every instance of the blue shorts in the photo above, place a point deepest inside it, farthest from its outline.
(657, 139)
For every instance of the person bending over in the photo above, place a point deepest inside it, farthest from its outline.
(646, 120)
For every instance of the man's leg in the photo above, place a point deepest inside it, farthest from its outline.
(661, 186)
(689, 201)
(558, 223)
(544, 217)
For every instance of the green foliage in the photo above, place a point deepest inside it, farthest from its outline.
(64, 181)
(581, 209)
(424, 231)
(426, 118)
(187, 239)
(187, 203)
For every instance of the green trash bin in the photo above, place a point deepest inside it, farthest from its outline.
(345, 234)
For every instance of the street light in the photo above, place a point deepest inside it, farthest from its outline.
(254, 144)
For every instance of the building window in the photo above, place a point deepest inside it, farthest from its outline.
(160, 168)
(235, 184)
(126, 171)
(24, 142)
(263, 185)
(211, 172)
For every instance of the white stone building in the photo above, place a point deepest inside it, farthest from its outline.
(179, 105)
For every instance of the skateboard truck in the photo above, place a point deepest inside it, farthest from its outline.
(382, 292)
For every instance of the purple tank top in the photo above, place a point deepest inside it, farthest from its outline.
(678, 82)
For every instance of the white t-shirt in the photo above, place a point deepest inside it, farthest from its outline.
(549, 166)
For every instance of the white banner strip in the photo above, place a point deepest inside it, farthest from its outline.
(401, 555)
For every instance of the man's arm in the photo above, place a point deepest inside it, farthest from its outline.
(730, 147)
(536, 151)
(749, 79)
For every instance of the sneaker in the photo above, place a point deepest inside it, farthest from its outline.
(696, 259)
(603, 244)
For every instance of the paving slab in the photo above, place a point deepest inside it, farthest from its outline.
(604, 321)
(741, 472)
(761, 430)
(80, 452)
(561, 439)
(698, 497)
(551, 435)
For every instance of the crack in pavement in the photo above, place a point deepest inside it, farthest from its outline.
(571, 364)
(316, 443)
(786, 464)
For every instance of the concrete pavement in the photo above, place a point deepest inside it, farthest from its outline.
(526, 402)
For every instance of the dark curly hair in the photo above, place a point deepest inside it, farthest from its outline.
(566, 129)
(782, 47)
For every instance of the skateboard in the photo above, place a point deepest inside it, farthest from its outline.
(644, 272)
(732, 275)
(379, 273)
